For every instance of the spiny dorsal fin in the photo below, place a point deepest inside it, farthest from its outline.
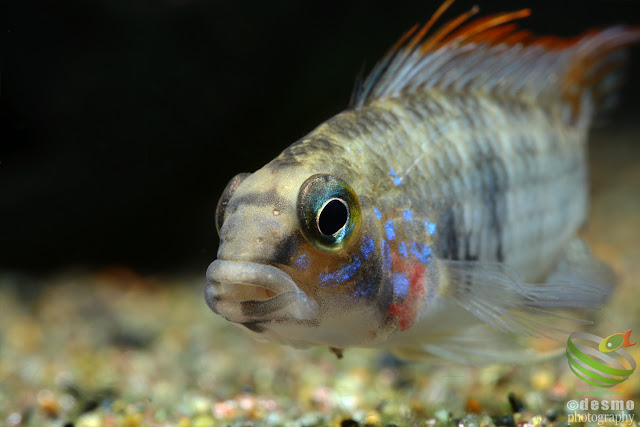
(491, 55)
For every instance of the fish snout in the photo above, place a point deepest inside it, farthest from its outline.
(243, 291)
(252, 239)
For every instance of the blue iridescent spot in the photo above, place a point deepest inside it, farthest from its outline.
(303, 261)
(378, 213)
(367, 247)
(400, 284)
(388, 228)
(348, 271)
(386, 255)
(422, 253)
(407, 215)
(396, 180)
(402, 248)
(431, 227)
(340, 275)
(363, 289)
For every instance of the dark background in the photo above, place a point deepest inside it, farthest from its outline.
(122, 121)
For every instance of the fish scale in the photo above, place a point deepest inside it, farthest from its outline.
(438, 212)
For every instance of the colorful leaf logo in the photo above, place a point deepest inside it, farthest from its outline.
(601, 368)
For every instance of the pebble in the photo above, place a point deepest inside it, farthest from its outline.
(273, 419)
(203, 421)
(200, 405)
(14, 419)
(542, 380)
(474, 420)
(48, 403)
(246, 402)
(225, 409)
(323, 397)
(311, 419)
(473, 406)
(89, 420)
(131, 420)
(537, 421)
(442, 415)
(373, 418)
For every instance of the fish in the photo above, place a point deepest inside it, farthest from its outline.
(615, 341)
(438, 215)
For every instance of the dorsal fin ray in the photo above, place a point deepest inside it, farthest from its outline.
(446, 30)
(487, 23)
(468, 54)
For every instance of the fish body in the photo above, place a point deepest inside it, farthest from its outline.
(436, 213)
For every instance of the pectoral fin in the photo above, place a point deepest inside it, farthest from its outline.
(495, 293)
(479, 345)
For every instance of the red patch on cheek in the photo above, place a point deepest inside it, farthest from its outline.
(405, 311)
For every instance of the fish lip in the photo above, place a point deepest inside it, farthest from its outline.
(250, 273)
(228, 292)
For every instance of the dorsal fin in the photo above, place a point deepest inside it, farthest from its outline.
(491, 55)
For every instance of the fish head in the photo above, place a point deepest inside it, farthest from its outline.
(297, 262)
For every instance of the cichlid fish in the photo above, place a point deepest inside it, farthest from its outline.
(440, 210)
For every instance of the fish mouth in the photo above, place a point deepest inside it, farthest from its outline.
(243, 291)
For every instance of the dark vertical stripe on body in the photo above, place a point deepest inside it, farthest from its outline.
(447, 235)
(455, 238)
(494, 200)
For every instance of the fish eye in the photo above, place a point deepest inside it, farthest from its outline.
(231, 187)
(328, 211)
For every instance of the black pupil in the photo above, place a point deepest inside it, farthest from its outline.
(333, 217)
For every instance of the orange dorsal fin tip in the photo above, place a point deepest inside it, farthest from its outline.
(420, 60)
(520, 36)
(427, 26)
(438, 13)
(404, 37)
(489, 22)
(444, 32)
(493, 35)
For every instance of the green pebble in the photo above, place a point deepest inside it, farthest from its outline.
(203, 421)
